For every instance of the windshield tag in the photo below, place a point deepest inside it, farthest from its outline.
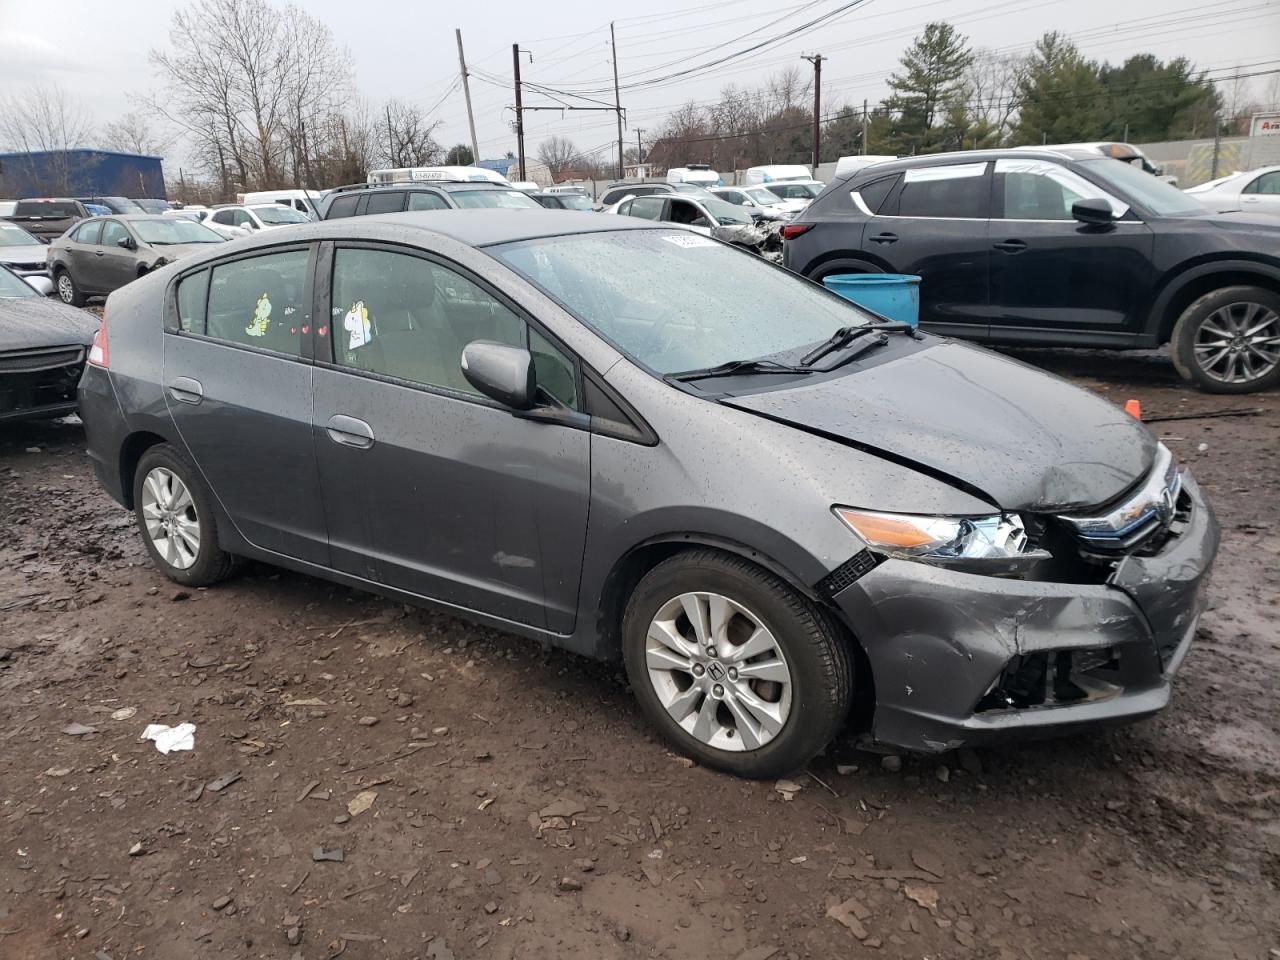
(689, 240)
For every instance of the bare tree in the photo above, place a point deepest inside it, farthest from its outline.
(43, 117)
(409, 141)
(254, 86)
(991, 88)
(133, 133)
(559, 154)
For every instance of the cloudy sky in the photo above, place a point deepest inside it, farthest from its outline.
(98, 51)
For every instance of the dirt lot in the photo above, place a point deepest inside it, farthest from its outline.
(370, 781)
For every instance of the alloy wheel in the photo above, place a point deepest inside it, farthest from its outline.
(718, 671)
(1239, 342)
(169, 513)
(66, 289)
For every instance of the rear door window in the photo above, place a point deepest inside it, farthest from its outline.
(952, 191)
(647, 208)
(390, 202)
(1268, 183)
(343, 207)
(260, 301)
(89, 232)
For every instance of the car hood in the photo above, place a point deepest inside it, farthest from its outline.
(27, 253)
(1255, 223)
(994, 427)
(31, 322)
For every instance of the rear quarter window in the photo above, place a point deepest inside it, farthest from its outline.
(392, 202)
(191, 296)
(876, 192)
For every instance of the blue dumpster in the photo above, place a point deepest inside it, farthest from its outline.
(895, 296)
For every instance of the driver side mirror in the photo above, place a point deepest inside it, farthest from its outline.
(1093, 210)
(501, 372)
(128, 243)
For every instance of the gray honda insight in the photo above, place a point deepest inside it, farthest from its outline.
(782, 513)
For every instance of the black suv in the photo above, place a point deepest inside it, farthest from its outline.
(361, 199)
(1059, 247)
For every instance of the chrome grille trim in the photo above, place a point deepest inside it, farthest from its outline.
(1148, 509)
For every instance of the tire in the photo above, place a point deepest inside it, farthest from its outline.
(202, 565)
(69, 291)
(812, 650)
(1237, 360)
(836, 267)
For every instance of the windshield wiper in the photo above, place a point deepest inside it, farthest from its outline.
(847, 335)
(733, 367)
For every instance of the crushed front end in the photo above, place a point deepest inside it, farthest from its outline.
(39, 381)
(1091, 635)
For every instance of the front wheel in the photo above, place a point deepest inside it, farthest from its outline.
(734, 667)
(1228, 341)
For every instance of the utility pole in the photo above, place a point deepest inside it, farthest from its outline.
(392, 157)
(1217, 145)
(816, 60)
(864, 127)
(639, 150)
(515, 59)
(466, 91)
(617, 97)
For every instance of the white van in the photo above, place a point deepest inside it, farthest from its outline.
(699, 174)
(304, 201)
(848, 166)
(462, 174)
(777, 173)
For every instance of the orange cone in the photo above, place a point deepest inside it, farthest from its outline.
(1133, 408)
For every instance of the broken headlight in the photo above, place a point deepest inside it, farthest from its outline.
(992, 544)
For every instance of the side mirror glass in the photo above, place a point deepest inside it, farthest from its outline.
(1093, 210)
(501, 372)
(127, 243)
(41, 285)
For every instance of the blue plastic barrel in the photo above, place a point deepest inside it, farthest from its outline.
(895, 296)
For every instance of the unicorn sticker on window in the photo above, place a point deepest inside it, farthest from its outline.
(356, 323)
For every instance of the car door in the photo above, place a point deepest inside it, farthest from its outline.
(1262, 194)
(933, 225)
(688, 214)
(114, 265)
(428, 486)
(81, 246)
(1052, 276)
(646, 207)
(237, 380)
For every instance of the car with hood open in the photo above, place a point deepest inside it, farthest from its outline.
(43, 344)
(102, 254)
(782, 514)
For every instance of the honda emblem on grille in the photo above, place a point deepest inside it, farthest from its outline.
(1165, 507)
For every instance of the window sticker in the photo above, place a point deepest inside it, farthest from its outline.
(689, 240)
(356, 323)
(261, 318)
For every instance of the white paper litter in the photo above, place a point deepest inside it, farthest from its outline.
(168, 739)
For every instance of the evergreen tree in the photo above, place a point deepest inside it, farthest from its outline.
(1157, 101)
(928, 89)
(459, 156)
(1061, 95)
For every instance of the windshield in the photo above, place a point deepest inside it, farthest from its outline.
(173, 230)
(795, 191)
(12, 285)
(507, 199)
(684, 302)
(11, 235)
(762, 196)
(724, 211)
(274, 214)
(1136, 184)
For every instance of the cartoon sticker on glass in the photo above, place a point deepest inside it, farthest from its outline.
(261, 317)
(357, 325)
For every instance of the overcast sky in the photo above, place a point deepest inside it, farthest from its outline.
(98, 50)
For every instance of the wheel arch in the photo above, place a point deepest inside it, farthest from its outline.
(856, 261)
(131, 451)
(1193, 283)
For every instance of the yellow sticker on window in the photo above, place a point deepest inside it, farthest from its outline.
(261, 317)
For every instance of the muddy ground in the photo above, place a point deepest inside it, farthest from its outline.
(370, 781)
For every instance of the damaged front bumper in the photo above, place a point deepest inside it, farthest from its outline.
(959, 658)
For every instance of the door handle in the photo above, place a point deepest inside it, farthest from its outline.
(1248, 199)
(885, 238)
(186, 390)
(1011, 246)
(99, 253)
(350, 432)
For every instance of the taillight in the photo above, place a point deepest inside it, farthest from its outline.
(99, 353)
(793, 230)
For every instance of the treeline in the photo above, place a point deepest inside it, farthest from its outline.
(947, 95)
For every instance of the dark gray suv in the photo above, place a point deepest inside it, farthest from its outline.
(701, 464)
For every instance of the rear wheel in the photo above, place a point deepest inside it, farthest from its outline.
(68, 292)
(734, 667)
(175, 515)
(1228, 341)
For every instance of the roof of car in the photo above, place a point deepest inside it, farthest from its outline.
(971, 156)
